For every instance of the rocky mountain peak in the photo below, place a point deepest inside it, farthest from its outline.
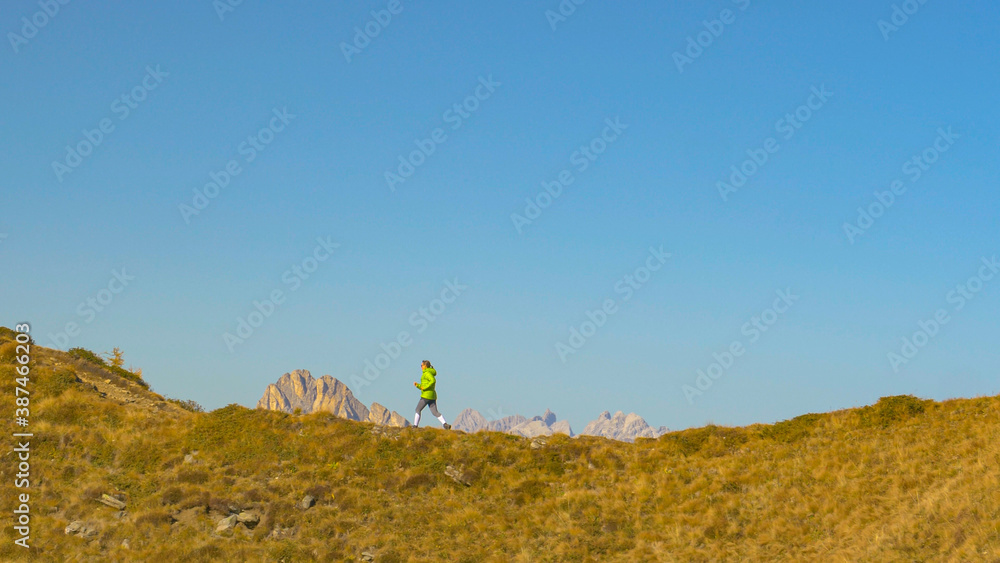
(299, 390)
(621, 427)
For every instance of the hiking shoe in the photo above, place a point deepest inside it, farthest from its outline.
(447, 426)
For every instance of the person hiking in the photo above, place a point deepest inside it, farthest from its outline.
(428, 396)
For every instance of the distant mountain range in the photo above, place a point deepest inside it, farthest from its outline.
(545, 425)
(300, 391)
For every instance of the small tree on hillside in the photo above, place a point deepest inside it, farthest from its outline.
(116, 357)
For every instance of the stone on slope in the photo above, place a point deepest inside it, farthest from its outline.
(81, 529)
(248, 519)
(111, 501)
(226, 524)
(458, 475)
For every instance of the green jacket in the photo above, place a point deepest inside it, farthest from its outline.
(427, 382)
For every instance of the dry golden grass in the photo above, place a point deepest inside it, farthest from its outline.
(903, 480)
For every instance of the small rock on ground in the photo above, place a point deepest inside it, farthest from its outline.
(248, 519)
(307, 502)
(226, 524)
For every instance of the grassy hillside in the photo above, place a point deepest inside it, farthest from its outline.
(903, 480)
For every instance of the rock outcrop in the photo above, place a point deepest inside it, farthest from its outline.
(384, 417)
(298, 390)
(625, 428)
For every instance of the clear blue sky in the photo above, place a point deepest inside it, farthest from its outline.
(324, 175)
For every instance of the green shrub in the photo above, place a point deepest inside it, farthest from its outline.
(154, 518)
(194, 476)
(207, 552)
(694, 440)
(788, 431)
(54, 384)
(8, 351)
(87, 355)
(248, 437)
(173, 495)
(6, 334)
(891, 410)
(529, 491)
(289, 551)
(187, 405)
(420, 481)
(74, 411)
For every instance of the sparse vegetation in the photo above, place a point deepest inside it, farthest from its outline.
(114, 366)
(187, 405)
(903, 479)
